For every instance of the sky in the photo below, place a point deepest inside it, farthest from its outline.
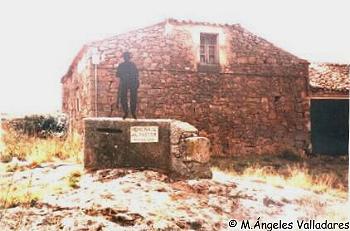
(39, 38)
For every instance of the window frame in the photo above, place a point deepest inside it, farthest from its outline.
(207, 45)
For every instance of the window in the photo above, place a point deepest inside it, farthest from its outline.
(208, 49)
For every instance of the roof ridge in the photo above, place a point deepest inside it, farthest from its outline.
(189, 21)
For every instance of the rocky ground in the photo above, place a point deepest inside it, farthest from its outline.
(130, 199)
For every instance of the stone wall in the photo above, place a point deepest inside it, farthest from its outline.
(256, 103)
(169, 145)
(78, 91)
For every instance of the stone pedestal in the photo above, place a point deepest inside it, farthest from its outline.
(169, 145)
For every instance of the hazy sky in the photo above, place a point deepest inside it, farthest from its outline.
(40, 38)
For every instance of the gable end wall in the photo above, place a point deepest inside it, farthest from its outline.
(256, 104)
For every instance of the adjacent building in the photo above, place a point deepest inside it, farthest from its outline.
(329, 106)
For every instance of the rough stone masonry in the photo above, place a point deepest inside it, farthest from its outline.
(253, 101)
(169, 145)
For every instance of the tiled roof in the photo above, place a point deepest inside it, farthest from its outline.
(329, 77)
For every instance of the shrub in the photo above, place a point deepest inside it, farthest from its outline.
(73, 179)
(39, 125)
(39, 138)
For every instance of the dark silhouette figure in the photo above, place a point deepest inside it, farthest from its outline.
(129, 80)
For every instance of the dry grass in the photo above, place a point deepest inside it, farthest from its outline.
(14, 194)
(26, 192)
(297, 177)
(15, 146)
(321, 175)
(39, 150)
(73, 178)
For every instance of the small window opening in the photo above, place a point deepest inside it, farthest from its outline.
(78, 104)
(209, 49)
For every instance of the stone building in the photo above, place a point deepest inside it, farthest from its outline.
(329, 107)
(242, 92)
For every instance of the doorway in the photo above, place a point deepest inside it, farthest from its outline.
(330, 126)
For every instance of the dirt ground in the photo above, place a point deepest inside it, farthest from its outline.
(130, 199)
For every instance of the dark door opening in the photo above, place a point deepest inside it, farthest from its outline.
(330, 126)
